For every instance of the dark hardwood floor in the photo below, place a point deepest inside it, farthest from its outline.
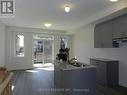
(40, 81)
(103, 90)
(33, 82)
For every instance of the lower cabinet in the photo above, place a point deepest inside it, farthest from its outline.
(107, 71)
(75, 81)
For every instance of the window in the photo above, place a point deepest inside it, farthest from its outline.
(19, 45)
(63, 43)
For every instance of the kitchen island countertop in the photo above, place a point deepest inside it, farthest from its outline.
(67, 66)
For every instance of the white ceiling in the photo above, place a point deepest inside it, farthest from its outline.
(33, 13)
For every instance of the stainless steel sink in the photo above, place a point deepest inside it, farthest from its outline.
(74, 62)
(78, 64)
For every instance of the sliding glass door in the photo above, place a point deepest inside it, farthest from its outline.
(43, 49)
(48, 47)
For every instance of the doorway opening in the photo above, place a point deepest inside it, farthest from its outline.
(43, 50)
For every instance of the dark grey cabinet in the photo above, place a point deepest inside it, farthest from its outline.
(103, 35)
(120, 27)
(71, 78)
(112, 33)
(107, 71)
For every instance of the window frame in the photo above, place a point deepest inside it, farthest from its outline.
(15, 45)
(65, 39)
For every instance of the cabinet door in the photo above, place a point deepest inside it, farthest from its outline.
(120, 27)
(101, 71)
(57, 76)
(103, 35)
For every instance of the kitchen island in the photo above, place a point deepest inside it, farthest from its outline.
(72, 80)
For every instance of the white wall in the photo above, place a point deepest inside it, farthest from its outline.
(14, 63)
(84, 49)
(2, 44)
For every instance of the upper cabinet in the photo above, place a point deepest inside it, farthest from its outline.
(120, 27)
(103, 35)
(111, 34)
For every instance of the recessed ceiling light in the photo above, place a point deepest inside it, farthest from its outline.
(48, 25)
(67, 9)
(114, 0)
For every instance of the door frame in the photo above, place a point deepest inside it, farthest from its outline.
(44, 35)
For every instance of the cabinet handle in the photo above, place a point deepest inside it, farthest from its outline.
(97, 64)
(102, 44)
(123, 33)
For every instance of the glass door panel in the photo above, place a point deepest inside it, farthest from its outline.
(47, 51)
(43, 49)
(38, 51)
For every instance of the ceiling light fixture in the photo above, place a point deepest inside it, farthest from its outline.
(48, 25)
(67, 9)
(114, 0)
